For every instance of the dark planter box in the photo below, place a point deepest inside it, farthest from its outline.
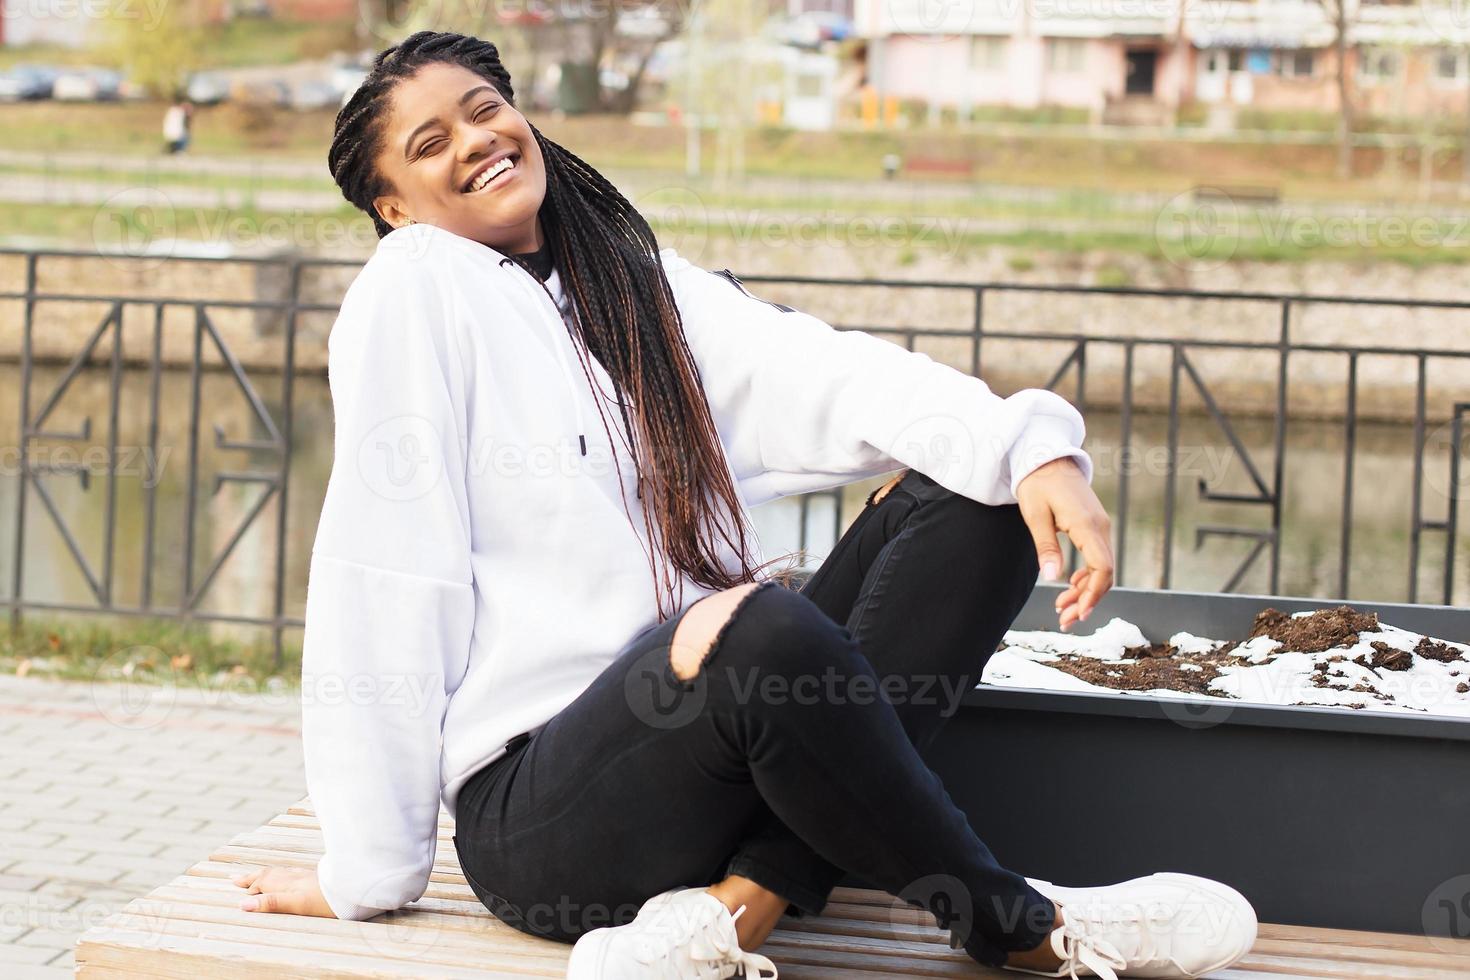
(1321, 817)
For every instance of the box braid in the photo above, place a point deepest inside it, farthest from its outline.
(624, 314)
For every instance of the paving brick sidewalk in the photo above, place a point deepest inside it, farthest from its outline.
(109, 790)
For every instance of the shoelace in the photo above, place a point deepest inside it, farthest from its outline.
(717, 947)
(1080, 947)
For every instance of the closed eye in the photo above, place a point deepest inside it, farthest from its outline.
(430, 147)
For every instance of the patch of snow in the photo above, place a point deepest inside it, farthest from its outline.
(1107, 642)
(1271, 675)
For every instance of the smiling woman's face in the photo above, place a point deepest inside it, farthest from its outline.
(462, 158)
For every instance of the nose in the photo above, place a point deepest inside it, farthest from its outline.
(473, 142)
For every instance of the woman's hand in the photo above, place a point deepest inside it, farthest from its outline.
(291, 890)
(1055, 497)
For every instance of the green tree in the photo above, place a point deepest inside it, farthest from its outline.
(156, 45)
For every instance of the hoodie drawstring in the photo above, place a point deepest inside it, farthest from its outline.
(561, 356)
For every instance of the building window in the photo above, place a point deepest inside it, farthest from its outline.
(987, 53)
(1064, 55)
(1237, 59)
(1449, 65)
(1378, 64)
(1295, 64)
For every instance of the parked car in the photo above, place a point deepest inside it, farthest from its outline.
(275, 93)
(309, 95)
(207, 88)
(810, 29)
(345, 80)
(648, 23)
(24, 82)
(87, 85)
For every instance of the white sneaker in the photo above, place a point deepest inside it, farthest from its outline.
(1161, 925)
(682, 934)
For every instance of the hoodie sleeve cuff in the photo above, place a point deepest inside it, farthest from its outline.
(1046, 438)
(342, 907)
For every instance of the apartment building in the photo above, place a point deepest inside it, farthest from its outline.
(1135, 60)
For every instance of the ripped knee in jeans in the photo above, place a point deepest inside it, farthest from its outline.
(704, 625)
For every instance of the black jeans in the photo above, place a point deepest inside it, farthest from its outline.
(793, 757)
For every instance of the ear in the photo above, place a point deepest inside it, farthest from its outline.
(390, 209)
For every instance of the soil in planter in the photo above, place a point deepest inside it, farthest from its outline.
(1341, 657)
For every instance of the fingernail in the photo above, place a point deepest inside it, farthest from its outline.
(1085, 614)
(1049, 570)
(248, 904)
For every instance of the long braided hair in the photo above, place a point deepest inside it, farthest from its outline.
(623, 310)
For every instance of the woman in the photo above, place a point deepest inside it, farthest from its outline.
(652, 749)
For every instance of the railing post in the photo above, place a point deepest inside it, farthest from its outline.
(288, 438)
(1171, 468)
(1416, 520)
(1125, 438)
(150, 491)
(191, 503)
(1283, 380)
(977, 330)
(17, 576)
(1452, 514)
(1349, 452)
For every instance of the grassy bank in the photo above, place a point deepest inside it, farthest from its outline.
(143, 651)
(1033, 158)
(345, 231)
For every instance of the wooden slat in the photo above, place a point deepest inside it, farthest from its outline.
(193, 927)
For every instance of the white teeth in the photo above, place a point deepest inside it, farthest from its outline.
(499, 168)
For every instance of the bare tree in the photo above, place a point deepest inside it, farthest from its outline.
(638, 49)
(1342, 14)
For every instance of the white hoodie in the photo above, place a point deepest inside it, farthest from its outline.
(473, 570)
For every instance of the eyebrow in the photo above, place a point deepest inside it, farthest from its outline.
(462, 100)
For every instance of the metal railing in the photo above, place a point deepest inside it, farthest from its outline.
(1267, 489)
(1266, 481)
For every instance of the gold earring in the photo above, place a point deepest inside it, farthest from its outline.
(410, 221)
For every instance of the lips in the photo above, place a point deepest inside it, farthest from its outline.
(494, 167)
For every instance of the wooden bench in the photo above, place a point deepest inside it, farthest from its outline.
(192, 927)
(1238, 193)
